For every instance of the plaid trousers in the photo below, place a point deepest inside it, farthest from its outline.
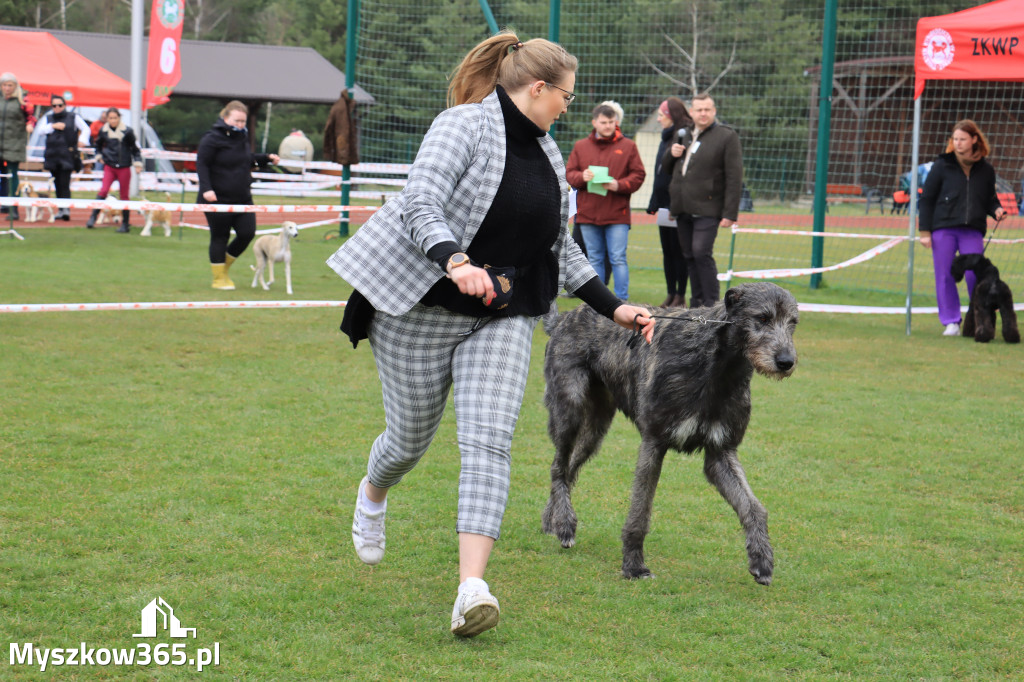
(419, 356)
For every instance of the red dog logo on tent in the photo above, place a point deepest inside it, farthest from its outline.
(938, 49)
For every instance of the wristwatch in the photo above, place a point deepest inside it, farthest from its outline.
(457, 260)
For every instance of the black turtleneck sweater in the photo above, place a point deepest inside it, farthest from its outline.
(518, 231)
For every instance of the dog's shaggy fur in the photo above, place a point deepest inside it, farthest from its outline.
(275, 248)
(688, 390)
(990, 294)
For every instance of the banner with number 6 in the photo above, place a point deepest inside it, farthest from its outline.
(163, 70)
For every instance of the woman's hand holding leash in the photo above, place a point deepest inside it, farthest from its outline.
(473, 281)
(631, 316)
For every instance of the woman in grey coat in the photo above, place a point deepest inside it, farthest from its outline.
(16, 122)
(450, 279)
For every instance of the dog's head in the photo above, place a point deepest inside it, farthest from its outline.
(25, 189)
(290, 228)
(765, 315)
(975, 262)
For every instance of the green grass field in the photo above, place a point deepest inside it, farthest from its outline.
(211, 457)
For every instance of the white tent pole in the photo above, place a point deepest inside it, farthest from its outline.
(266, 128)
(138, 26)
(915, 160)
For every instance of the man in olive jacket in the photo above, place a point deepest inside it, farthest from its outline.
(707, 182)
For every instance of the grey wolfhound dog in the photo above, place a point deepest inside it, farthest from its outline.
(688, 390)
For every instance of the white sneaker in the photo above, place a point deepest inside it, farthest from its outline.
(368, 530)
(952, 329)
(476, 609)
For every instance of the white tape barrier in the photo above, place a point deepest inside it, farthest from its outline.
(360, 168)
(805, 233)
(161, 305)
(800, 272)
(264, 305)
(878, 310)
(117, 204)
(270, 230)
(808, 233)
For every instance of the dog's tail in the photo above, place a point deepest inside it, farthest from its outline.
(551, 318)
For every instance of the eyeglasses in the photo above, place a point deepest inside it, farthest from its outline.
(569, 97)
(57, 106)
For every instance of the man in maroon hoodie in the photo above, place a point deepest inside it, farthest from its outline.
(604, 219)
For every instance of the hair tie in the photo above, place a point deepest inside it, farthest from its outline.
(664, 108)
(515, 48)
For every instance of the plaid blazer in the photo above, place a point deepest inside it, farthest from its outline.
(451, 186)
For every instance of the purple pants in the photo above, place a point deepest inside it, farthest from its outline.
(945, 245)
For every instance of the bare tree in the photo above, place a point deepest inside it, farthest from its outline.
(693, 73)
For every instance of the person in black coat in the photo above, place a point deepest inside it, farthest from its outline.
(224, 163)
(64, 132)
(674, 119)
(958, 196)
(117, 148)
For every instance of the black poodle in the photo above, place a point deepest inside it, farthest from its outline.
(990, 294)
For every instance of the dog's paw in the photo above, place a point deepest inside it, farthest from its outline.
(559, 519)
(637, 573)
(761, 568)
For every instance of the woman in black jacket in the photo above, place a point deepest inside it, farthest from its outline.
(673, 117)
(958, 195)
(117, 148)
(224, 163)
(64, 132)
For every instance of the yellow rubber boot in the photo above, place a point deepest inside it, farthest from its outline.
(220, 277)
(228, 260)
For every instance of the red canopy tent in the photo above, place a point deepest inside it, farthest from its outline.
(46, 66)
(983, 43)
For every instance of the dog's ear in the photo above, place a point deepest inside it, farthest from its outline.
(958, 268)
(732, 297)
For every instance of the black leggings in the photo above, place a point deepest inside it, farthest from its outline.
(672, 261)
(9, 185)
(697, 240)
(220, 231)
(62, 183)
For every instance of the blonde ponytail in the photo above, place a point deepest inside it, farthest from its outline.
(504, 60)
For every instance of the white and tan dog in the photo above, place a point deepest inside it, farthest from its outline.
(157, 216)
(35, 213)
(275, 248)
(109, 215)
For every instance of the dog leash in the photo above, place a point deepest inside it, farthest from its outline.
(635, 335)
(992, 234)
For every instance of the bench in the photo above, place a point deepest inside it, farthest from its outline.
(837, 193)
